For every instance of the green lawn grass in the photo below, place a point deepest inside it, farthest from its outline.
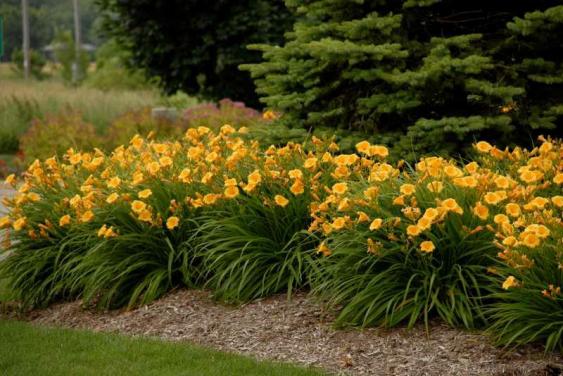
(29, 350)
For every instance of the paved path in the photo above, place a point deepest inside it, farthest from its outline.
(5, 191)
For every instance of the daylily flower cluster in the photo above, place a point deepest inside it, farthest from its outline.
(516, 195)
(510, 199)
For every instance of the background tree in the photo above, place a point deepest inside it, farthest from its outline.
(423, 75)
(36, 62)
(196, 45)
(113, 71)
(46, 17)
(65, 54)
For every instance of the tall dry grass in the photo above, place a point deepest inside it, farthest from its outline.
(21, 101)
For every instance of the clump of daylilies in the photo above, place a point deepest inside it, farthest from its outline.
(515, 195)
(462, 229)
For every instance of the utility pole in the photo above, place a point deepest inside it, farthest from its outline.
(25, 26)
(77, 44)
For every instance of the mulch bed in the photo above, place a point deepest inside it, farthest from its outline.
(300, 331)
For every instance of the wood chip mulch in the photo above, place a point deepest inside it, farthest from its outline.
(300, 331)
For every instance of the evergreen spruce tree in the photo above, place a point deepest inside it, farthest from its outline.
(422, 75)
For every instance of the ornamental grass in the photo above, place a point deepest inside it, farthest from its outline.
(477, 244)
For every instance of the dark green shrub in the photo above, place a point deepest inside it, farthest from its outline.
(36, 60)
(196, 46)
(434, 75)
(113, 72)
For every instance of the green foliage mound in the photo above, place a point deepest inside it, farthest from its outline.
(424, 75)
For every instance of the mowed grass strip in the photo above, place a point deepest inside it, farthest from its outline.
(29, 350)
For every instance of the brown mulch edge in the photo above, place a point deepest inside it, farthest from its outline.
(300, 331)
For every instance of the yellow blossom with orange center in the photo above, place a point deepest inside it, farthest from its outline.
(5, 222)
(481, 211)
(295, 174)
(102, 231)
(452, 171)
(493, 198)
(413, 230)
(529, 176)
(362, 217)
(87, 216)
(472, 167)
(281, 201)
(500, 219)
(145, 193)
(502, 182)
(210, 198)
(112, 198)
(539, 202)
(427, 246)
(138, 178)
(185, 175)
(339, 188)
(297, 187)
(339, 222)
(363, 147)
(255, 178)
(10, 179)
(510, 241)
(451, 205)
(138, 206)
(424, 223)
(172, 222)
(324, 249)
(483, 146)
(376, 224)
(310, 163)
(75, 159)
(510, 282)
(64, 220)
(431, 213)
(145, 216)
(407, 189)
(513, 210)
(231, 191)
(530, 240)
(379, 151)
(165, 161)
(153, 168)
(114, 182)
(399, 200)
